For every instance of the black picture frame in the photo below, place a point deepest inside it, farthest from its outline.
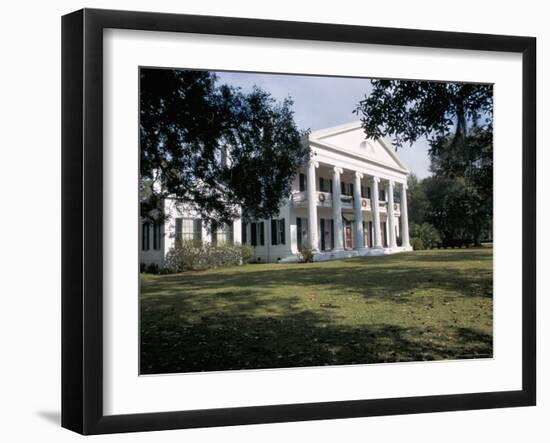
(82, 260)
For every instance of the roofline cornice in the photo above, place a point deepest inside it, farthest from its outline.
(336, 149)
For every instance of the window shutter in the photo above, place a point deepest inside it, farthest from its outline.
(143, 225)
(273, 232)
(156, 236)
(229, 233)
(253, 234)
(179, 227)
(322, 234)
(302, 182)
(343, 188)
(282, 228)
(197, 229)
(351, 189)
(243, 233)
(332, 233)
(214, 234)
(262, 233)
(330, 186)
(146, 236)
(299, 232)
(368, 192)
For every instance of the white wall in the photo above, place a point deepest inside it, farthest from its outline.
(30, 262)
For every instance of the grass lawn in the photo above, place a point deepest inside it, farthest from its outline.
(422, 305)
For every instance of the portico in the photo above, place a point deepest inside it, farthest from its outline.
(349, 212)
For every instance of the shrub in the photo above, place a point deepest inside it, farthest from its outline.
(424, 236)
(194, 255)
(306, 255)
(417, 243)
(247, 252)
(151, 268)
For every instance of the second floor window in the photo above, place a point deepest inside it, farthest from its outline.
(325, 185)
(346, 188)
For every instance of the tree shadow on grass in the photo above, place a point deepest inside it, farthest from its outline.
(262, 316)
(450, 255)
(360, 277)
(229, 341)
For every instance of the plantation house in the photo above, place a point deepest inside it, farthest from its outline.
(349, 200)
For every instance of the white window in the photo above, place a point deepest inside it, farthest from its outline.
(278, 231)
(188, 229)
(223, 234)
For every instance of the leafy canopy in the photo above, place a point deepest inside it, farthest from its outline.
(214, 147)
(409, 110)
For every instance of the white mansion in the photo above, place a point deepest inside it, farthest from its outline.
(341, 205)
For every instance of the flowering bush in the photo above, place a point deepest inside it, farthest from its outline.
(247, 252)
(306, 255)
(195, 255)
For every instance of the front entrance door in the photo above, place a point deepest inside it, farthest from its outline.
(347, 231)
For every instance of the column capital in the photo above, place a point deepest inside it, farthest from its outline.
(375, 179)
(337, 170)
(404, 186)
(391, 183)
(358, 175)
(313, 163)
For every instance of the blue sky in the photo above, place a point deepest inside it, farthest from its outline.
(322, 102)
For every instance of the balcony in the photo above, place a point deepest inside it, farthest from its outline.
(384, 207)
(324, 200)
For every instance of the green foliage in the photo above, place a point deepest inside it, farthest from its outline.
(306, 255)
(247, 252)
(468, 163)
(215, 146)
(424, 236)
(453, 210)
(192, 255)
(408, 110)
(417, 244)
(417, 203)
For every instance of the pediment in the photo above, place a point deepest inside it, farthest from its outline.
(351, 138)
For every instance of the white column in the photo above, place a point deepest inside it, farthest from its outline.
(376, 213)
(404, 217)
(359, 240)
(337, 210)
(391, 216)
(312, 206)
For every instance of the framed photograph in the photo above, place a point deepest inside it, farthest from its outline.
(269, 221)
